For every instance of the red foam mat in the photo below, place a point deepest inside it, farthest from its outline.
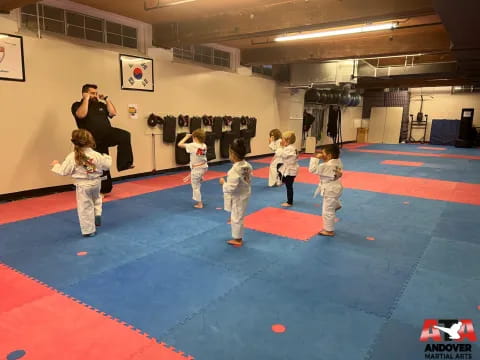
(51, 204)
(409, 153)
(402, 163)
(432, 148)
(47, 324)
(286, 223)
(398, 185)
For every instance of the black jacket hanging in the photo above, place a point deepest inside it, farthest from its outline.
(334, 126)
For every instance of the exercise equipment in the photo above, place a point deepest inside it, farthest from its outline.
(225, 142)
(210, 142)
(418, 125)
(235, 126)
(217, 126)
(183, 120)
(169, 128)
(345, 99)
(195, 123)
(245, 135)
(334, 125)
(322, 97)
(181, 155)
(154, 120)
(312, 96)
(227, 120)
(252, 126)
(308, 120)
(466, 132)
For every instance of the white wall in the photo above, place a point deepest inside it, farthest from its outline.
(36, 121)
(441, 104)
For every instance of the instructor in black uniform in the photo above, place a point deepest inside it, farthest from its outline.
(93, 113)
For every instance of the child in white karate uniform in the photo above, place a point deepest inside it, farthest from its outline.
(237, 190)
(288, 156)
(198, 162)
(275, 144)
(86, 166)
(330, 186)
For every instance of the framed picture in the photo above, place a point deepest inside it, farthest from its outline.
(12, 65)
(136, 73)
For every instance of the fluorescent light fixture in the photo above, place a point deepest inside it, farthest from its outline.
(179, 2)
(3, 36)
(321, 34)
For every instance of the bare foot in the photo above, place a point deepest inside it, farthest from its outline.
(235, 242)
(198, 205)
(286, 204)
(326, 233)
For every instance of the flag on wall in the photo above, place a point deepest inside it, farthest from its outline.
(136, 73)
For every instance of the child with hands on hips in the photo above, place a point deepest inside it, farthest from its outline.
(198, 162)
(330, 187)
(237, 190)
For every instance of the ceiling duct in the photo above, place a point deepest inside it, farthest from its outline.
(327, 74)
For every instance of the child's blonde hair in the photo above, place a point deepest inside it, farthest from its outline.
(200, 135)
(290, 137)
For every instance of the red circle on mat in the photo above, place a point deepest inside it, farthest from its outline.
(278, 328)
(82, 253)
(478, 307)
(317, 205)
(219, 208)
(337, 220)
(370, 238)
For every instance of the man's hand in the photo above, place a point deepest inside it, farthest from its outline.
(101, 97)
(85, 96)
(54, 162)
(221, 181)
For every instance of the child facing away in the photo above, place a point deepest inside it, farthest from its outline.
(86, 166)
(288, 157)
(198, 162)
(330, 186)
(237, 190)
(275, 142)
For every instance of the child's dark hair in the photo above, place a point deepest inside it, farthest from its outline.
(82, 138)
(239, 148)
(333, 150)
(276, 133)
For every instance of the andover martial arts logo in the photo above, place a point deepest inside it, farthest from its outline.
(448, 338)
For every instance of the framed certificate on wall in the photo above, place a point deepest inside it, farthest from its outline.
(12, 65)
(136, 73)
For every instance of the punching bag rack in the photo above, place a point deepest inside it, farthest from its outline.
(419, 124)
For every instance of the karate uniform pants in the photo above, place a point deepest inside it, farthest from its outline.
(237, 206)
(89, 205)
(273, 176)
(330, 204)
(196, 178)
